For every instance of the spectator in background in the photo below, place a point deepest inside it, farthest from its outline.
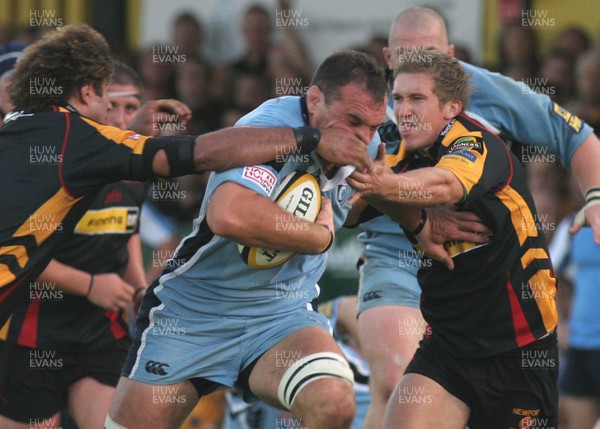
(375, 47)
(158, 77)
(9, 54)
(518, 47)
(557, 78)
(587, 75)
(192, 83)
(572, 41)
(187, 33)
(462, 53)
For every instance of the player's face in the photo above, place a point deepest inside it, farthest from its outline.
(353, 110)
(125, 102)
(98, 106)
(418, 112)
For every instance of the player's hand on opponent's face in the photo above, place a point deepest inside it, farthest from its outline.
(444, 224)
(341, 147)
(369, 183)
(153, 113)
(110, 292)
(325, 216)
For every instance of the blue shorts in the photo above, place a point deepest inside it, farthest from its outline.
(211, 350)
(382, 285)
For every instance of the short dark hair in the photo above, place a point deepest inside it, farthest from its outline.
(69, 57)
(347, 66)
(125, 75)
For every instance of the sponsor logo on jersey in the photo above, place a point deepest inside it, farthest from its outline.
(466, 143)
(156, 368)
(261, 176)
(370, 296)
(114, 220)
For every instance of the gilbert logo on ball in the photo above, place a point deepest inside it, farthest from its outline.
(298, 194)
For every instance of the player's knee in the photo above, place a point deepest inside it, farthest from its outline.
(327, 403)
(385, 379)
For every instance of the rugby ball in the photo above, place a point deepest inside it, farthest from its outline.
(299, 195)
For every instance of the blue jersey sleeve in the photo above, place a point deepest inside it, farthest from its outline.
(525, 116)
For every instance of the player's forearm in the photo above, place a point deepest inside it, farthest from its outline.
(425, 187)
(65, 278)
(134, 273)
(239, 146)
(253, 220)
(585, 163)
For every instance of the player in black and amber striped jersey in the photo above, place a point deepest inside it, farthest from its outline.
(55, 154)
(488, 358)
(86, 329)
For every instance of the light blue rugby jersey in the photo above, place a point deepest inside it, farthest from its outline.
(513, 109)
(208, 273)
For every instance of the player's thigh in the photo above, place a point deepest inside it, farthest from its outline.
(138, 405)
(89, 401)
(389, 336)
(270, 368)
(421, 403)
(578, 412)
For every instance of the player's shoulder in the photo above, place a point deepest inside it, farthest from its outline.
(282, 111)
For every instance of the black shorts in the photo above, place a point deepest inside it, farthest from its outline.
(34, 382)
(513, 390)
(581, 375)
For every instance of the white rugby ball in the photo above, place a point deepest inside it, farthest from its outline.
(298, 194)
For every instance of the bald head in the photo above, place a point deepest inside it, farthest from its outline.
(416, 29)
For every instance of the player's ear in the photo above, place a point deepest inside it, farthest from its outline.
(451, 49)
(314, 97)
(388, 57)
(452, 109)
(86, 93)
